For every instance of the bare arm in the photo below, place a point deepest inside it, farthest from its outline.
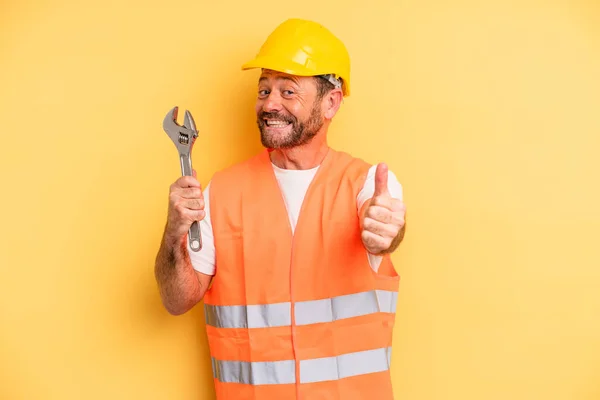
(180, 286)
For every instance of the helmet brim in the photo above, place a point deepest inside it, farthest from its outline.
(287, 67)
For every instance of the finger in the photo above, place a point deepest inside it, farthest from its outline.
(379, 213)
(183, 217)
(190, 193)
(381, 229)
(194, 215)
(386, 216)
(381, 180)
(384, 202)
(375, 243)
(194, 173)
(398, 205)
(192, 204)
(398, 219)
(181, 220)
(388, 203)
(187, 181)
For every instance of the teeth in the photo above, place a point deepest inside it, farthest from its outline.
(277, 123)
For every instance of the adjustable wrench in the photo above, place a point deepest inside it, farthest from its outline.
(184, 138)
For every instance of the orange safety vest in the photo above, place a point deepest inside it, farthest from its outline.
(300, 316)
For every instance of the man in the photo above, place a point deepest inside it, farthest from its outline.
(298, 286)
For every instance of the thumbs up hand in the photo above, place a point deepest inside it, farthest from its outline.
(383, 218)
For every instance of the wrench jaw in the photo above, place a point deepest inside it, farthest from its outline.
(184, 136)
(188, 121)
(190, 125)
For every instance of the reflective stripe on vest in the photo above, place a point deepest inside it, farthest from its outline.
(255, 373)
(251, 316)
(311, 371)
(306, 312)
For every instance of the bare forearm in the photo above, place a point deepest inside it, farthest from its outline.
(178, 283)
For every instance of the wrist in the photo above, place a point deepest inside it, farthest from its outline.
(172, 239)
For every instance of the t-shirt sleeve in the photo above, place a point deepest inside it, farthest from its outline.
(204, 260)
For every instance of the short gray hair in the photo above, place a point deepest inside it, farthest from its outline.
(326, 83)
(336, 82)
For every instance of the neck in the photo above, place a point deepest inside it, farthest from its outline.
(306, 156)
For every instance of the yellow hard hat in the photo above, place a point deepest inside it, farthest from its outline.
(304, 48)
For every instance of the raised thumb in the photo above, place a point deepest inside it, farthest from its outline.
(381, 180)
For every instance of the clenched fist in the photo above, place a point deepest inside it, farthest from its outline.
(186, 205)
(383, 219)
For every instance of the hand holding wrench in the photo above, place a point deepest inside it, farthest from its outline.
(184, 138)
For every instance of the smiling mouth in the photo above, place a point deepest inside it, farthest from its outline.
(276, 123)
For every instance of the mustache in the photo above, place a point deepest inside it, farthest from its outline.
(275, 115)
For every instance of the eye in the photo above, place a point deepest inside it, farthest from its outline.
(288, 93)
(263, 93)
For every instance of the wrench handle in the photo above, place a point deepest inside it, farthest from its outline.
(186, 164)
(194, 238)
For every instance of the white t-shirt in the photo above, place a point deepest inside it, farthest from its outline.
(293, 184)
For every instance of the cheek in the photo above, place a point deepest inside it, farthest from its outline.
(296, 109)
(258, 106)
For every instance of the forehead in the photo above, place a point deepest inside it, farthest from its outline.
(269, 76)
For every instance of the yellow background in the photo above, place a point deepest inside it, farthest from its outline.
(488, 112)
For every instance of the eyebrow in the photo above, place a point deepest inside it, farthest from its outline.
(284, 78)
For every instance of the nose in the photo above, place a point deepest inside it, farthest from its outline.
(272, 103)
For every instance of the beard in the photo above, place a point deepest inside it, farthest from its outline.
(300, 133)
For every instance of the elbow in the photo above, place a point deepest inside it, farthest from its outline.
(180, 305)
(175, 309)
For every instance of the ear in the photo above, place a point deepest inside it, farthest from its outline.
(332, 103)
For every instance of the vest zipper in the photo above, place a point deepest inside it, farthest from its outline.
(293, 314)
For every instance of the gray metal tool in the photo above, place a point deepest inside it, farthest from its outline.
(184, 138)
